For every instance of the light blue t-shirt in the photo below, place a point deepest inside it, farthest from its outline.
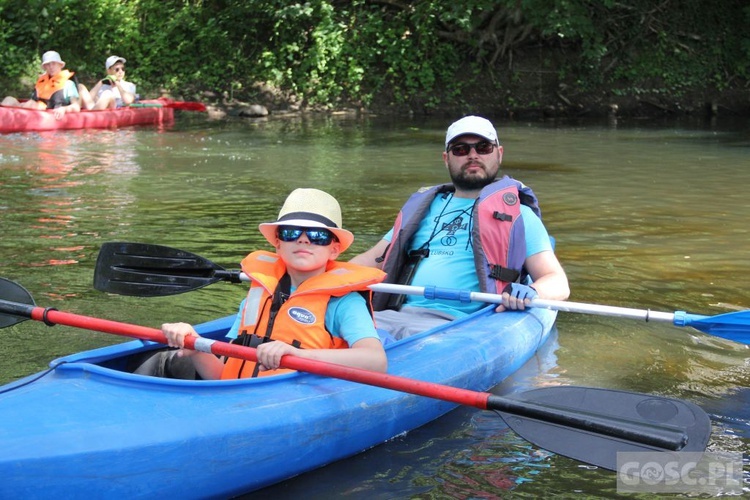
(70, 91)
(347, 317)
(446, 230)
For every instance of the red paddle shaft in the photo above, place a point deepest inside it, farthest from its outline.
(428, 389)
(648, 433)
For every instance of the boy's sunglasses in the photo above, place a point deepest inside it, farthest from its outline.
(317, 236)
(464, 148)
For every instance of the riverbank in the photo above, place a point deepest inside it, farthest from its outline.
(523, 101)
(560, 104)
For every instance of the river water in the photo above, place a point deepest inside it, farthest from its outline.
(649, 215)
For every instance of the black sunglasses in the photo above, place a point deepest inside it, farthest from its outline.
(119, 68)
(317, 236)
(464, 148)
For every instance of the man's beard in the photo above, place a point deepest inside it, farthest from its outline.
(466, 182)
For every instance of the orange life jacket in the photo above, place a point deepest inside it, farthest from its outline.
(49, 92)
(298, 320)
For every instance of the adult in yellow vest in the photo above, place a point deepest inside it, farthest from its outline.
(301, 301)
(54, 90)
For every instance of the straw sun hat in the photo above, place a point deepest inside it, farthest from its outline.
(309, 208)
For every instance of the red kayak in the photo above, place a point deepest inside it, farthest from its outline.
(150, 112)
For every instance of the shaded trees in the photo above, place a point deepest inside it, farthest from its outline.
(336, 52)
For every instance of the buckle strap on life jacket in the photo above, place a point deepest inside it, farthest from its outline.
(502, 217)
(506, 274)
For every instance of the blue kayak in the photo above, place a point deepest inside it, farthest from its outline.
(90, 429)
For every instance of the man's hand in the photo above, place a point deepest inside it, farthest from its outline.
(516, 297)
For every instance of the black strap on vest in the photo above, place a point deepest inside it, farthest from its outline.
(506, 274)
(280, 295)
(502, 217)
(245, 338)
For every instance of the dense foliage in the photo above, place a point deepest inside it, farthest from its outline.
(330, 53)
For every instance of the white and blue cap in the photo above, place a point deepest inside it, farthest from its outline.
(309, 208)
(471, 125)
(112, 60)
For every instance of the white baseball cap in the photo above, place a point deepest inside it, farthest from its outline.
(112, 60)
(51, 56)
(471, 125)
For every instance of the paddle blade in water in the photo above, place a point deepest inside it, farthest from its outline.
(16, 296)
(146, 270)
(593, 425)
(733, 326)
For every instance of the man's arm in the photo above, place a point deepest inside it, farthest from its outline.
(550, 281)
(368, 257)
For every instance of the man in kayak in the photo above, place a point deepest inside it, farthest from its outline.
(55, 89)
(478, 233)
(301, 301)
(112, 91)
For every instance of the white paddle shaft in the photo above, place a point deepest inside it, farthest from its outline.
(494, 298)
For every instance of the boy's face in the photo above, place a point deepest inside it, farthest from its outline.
(53, 68)
(303, 256)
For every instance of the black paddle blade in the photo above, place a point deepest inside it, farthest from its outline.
(12, 292)
(146, 270)
(593, 425)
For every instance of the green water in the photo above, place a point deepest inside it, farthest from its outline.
(646, 215)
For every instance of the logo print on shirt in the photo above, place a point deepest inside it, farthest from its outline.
(301, 315)
(451, 228)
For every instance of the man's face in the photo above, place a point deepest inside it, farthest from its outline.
(471, 169)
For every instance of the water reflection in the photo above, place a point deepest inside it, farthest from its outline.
(70, 179)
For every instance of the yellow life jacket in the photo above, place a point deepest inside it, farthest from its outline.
(298, 319)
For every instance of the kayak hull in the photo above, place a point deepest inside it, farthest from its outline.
(152, 112)
(88, 428)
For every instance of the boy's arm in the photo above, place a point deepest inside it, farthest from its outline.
(366, 353)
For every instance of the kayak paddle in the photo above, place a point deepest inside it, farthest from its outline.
(147, 270)
(168, 103)
(588, 424)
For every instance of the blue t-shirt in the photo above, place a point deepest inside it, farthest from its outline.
(446, 231)
(347, 317)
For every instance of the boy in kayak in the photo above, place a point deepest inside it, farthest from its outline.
(112, 91)
(55, 89)
(301, 301)
(478, 233)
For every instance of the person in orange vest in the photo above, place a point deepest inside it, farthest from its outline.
(301, 301)
(55, 90)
